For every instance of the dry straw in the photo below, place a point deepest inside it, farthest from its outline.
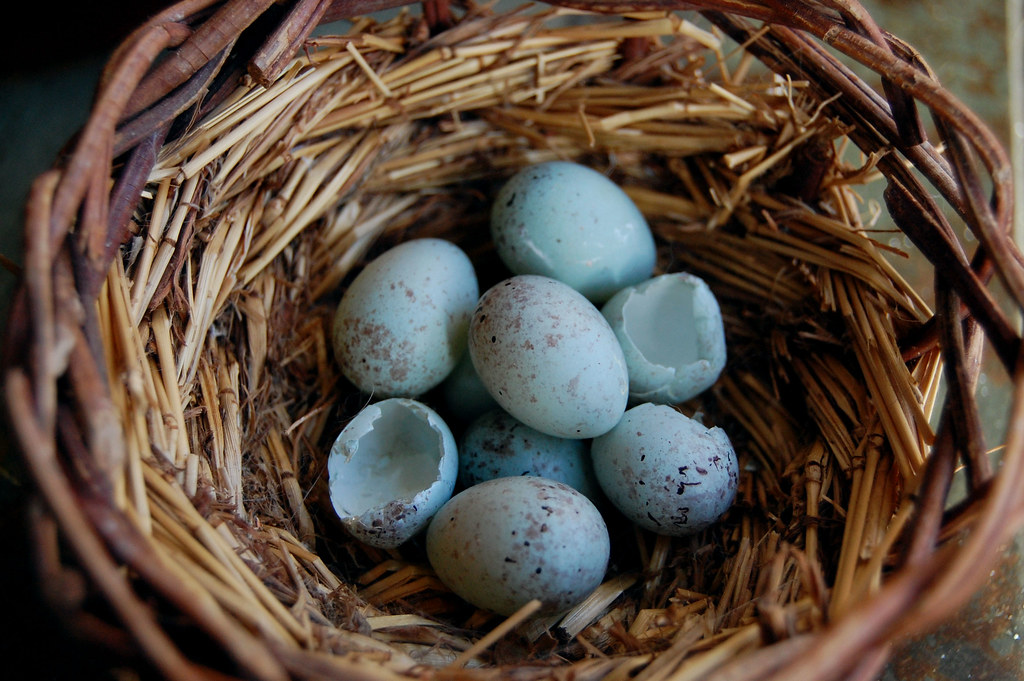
(171, 382)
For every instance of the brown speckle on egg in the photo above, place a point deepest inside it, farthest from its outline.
(557, 555)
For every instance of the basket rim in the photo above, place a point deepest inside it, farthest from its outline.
(51, 341)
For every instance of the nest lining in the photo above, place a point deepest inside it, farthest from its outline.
(216, 324)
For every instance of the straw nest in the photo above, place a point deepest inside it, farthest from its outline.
(173, 386)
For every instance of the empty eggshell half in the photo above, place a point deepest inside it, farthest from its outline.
(391, 468)
(671, 332)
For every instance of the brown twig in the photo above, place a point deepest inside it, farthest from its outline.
(280, 47)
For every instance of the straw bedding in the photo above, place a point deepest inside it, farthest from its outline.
(213, 324)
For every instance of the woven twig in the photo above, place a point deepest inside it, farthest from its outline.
(171, 386)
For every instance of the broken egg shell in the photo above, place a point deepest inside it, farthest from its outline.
(672, 336)
(391, 468)
(665, 471)
(548, 357)
(502, 543)
(496, 445)
(570, 222)
(400, 326)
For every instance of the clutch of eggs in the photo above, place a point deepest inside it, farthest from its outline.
(559, 402)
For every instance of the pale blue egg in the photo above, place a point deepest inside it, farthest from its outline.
(548, 357)
(569, 222)
(464, 393)
(391, 468)
(671, 332)
(400, 327)
(665, 471)
(508, 541)
(497, 445)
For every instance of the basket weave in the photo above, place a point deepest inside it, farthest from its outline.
(171, 386)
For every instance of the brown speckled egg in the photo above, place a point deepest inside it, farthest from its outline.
(507, 541)
(665, 471)
(549, 357)
(400, 327)
(497, 445)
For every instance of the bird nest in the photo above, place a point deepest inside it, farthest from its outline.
(172, 386)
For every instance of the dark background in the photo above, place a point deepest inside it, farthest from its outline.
(50, 59)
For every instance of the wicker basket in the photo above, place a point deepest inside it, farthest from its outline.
(172, 389)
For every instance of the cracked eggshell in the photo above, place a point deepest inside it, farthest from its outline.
(567, 221)
(497, 445)
(665, 471)
(400, 327)
(391, 468)
(504, 542)
(548, 357)
(672, 336)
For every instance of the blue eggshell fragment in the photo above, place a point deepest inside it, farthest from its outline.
(569, 222)
(548, 357)
(665, 471)
(672, 336)
(400, 327)
(497, 445)
(390, 469)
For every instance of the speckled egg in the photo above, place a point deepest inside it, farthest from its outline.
(671, 332)
(567, 221)
(496, 445)
(464, 394)
(504, 542)
(666, 471)
(391, 468)
(549, 357)
(400, 327)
